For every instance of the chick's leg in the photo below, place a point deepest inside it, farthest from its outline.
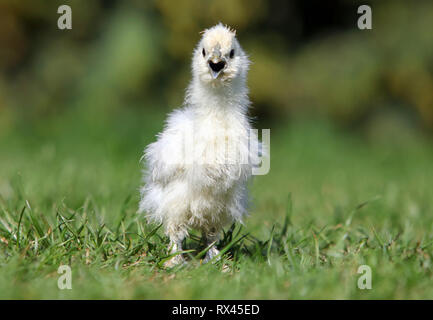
(176, 246)
(176, 237)
(211, 240)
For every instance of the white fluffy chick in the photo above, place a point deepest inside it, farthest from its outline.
(198, 168)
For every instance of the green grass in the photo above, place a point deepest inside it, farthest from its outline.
(332, 202)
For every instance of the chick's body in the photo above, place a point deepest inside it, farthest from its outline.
(198, 168)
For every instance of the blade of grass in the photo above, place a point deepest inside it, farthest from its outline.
(19, 226)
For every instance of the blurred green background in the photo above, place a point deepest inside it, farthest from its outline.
(309, 59)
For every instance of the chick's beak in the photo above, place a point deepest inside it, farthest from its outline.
(216, 63)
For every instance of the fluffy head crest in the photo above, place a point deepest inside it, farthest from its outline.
(228, 28)
(219, 34)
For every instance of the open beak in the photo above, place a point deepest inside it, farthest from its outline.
(216, 67)
(216, 63)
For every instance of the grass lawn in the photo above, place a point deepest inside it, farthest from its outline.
(332, 202)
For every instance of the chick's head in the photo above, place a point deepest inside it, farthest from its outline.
(218, 57)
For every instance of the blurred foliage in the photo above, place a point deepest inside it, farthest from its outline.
(308, 58)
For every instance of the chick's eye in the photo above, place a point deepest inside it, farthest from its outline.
(232, 53)
(203, 52)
